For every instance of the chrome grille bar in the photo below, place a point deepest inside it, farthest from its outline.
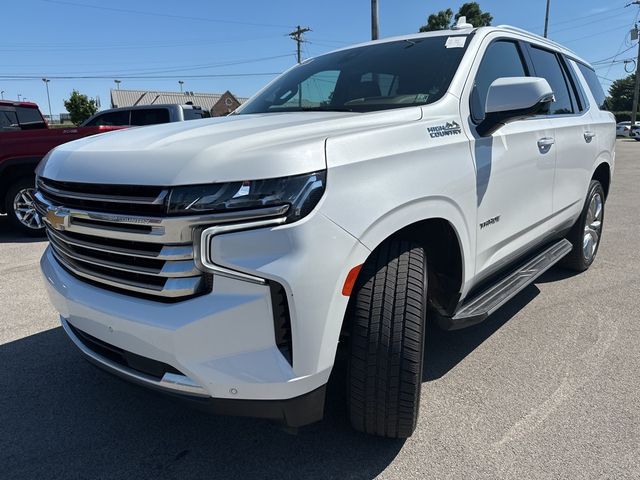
(141, 255)
(173, 288)
(141, 200)
(167, 252)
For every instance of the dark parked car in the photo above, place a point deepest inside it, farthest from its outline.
(146, 115)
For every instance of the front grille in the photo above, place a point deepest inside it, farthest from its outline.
(141, 200)
(99, 237)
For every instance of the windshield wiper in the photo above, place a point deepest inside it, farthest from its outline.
(324, 109)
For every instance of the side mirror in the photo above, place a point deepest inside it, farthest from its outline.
(511, 98)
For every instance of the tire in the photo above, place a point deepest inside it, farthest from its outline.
(387, 319)
(584, 251)
(19, 208)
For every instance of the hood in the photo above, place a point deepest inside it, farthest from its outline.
(233, 148)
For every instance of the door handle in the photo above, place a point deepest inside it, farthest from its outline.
(544, 144)
(588, 136)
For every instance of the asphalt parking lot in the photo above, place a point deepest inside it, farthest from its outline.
(547, 388)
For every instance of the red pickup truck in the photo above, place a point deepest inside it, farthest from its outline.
(25, 138)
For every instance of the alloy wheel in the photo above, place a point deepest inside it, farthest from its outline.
(24, 209)
(592, 227)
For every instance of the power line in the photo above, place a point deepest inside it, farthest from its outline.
(171, 69)
(135, 77)
(52, 47)
(574, 19)
(612, 56)
(165, 15)
(602, 32)
(599, 20)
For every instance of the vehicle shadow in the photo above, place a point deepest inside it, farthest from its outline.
(444, 350)
(8, 234)
(61, 417)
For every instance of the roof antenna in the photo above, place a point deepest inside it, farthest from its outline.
(462, 24)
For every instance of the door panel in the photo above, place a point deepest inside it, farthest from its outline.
(515, 191)
(514, 167)
(577, 145)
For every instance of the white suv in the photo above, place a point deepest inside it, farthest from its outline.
(359, 194)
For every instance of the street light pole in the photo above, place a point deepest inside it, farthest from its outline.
(46, 83)
(2, 94)
(546, 19)
(374, 19)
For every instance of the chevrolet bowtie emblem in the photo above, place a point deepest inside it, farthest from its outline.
(58, 218)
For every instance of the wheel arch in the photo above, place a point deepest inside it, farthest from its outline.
(13, 169)
(448, 251)
(602, 173)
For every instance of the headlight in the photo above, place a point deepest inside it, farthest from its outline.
(300, 193)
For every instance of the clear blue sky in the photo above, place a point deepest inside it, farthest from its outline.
(122, 38)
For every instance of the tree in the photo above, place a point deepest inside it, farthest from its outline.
(475, 16)
(438, 21)
(80, 107)
(621, 94)
(444, 18)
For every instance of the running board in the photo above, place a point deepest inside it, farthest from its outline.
(480, 306)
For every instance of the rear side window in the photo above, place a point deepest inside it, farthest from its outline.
(502, 59)
(594, 85)
(111, 119)
(8, 121)
(547, 66)
(149, 116)
(29, 118)
(194, 113)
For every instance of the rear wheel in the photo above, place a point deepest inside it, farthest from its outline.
(586, 233)
(20, 208)
(387, 319)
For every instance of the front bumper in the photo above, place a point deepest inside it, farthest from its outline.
(222, 344)
(294, 412)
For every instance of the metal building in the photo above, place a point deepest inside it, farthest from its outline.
(223, 102)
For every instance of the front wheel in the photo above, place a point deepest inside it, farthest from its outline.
(20, 208)
(387, 319)
(586, 233)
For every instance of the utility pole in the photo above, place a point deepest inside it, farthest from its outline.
(546, 19)
(374, 19)
(296, 35)
(634, 111)
(181, 83)
(118, 82)
(46, 83)
(2, 94)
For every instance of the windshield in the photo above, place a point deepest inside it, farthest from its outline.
(375, 77)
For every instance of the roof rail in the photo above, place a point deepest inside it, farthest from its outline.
(536, 36)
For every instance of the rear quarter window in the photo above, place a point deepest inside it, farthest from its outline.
(29, 118)
(594, 85)
(149, 116)
(194, 113)
(8, 121)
